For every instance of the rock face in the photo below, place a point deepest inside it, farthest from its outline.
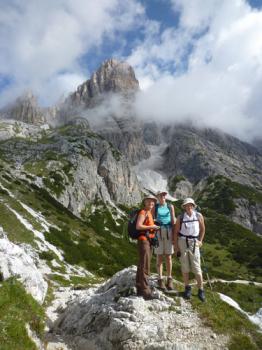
(77, 167)
(106, 100)
(112, 77)
(248, 215)
(113, 317)
(14, 261)
(197, 154)
(25, 109)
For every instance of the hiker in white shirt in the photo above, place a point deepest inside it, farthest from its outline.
(188, 239)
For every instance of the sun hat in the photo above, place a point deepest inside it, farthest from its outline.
(188, 201)
(149, 197)
(161, 192)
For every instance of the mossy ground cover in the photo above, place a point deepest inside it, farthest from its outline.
(224, 319)
(18, 309)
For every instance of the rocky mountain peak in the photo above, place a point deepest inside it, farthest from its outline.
(25, 109)
(113, 76)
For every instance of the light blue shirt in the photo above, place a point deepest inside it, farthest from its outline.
(163, 214)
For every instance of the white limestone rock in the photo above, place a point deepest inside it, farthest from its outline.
(113, 317)
(14, 261)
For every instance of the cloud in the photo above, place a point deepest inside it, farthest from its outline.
(207, 69)
(41, 42)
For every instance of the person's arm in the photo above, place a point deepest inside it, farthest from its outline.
(202, 229)
(177, 229)
(140, 224)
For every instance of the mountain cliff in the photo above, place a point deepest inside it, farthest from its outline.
(65, 193)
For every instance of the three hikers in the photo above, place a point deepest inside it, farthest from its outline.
(187, 237)
(165, 217)
(189, 234)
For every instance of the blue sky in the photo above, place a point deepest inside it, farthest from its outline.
(207, 52)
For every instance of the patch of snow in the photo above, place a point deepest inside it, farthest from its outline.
(256, 319)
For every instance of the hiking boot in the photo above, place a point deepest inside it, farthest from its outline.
(169, 284)
(161, 284)
(201, 295)
(187, 292)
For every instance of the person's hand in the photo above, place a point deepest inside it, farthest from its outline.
(199, 243)
(155, 227)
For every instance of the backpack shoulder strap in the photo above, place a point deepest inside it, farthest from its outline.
(181, 218)
(156, 209)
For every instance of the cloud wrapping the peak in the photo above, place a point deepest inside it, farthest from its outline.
(41, 42)
(217, 71)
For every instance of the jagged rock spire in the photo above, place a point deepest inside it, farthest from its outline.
(113, 76)
(25, 109)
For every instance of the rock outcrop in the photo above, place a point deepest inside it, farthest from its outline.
(111, 316)
(77, 167)
(112, 77)
(106, 100)
(25, 109)
(248, 215)
(197, 154)
(16, 262)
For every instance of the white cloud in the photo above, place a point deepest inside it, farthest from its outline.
(42, 41)
(218, 85)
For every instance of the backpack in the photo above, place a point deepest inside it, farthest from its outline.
(131, 226)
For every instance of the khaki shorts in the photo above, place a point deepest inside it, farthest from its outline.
(189, 261)
(165, 241)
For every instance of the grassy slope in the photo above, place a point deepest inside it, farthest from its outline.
(18, 309)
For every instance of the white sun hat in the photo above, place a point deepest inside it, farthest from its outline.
(188, 201)
(161, 192)
(149, 197)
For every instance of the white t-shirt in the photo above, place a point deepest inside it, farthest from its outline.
(190, 224)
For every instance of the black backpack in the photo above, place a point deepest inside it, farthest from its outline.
(131, 227)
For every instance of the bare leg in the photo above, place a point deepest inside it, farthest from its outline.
(159, 265)
(199, 279)
(169, 265)
(186, 278)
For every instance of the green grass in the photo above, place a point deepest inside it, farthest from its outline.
(249, 297)
(220, 192)
(18, 309)
(224, 319)
(242, 245)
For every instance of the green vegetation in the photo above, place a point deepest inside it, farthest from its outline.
(18, 309)
(243, 248)
(220, 193)
(224, 319)
(172, 182)
(249, 297)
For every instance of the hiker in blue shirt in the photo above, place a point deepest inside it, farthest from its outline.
(165, 216)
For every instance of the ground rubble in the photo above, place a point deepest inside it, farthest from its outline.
(111, 316)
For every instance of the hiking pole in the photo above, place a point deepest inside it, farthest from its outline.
(205, 269)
